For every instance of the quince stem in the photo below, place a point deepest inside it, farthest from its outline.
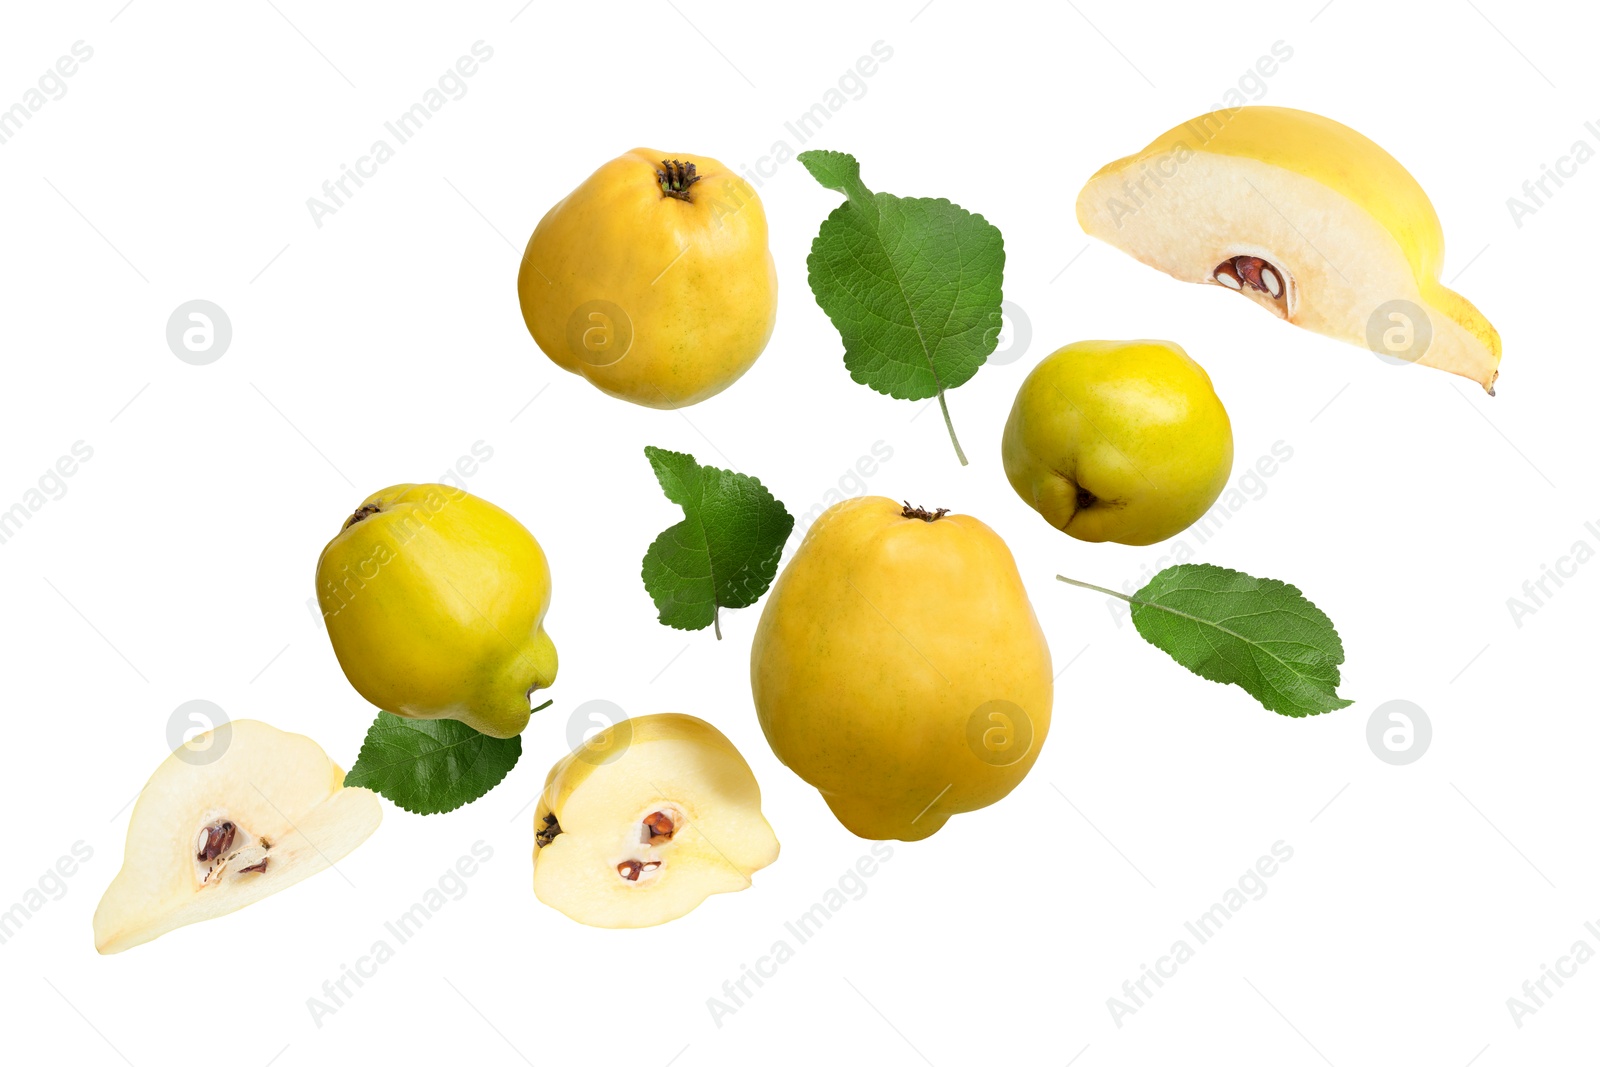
(944, 408)
(541, 707)
(1096, 588)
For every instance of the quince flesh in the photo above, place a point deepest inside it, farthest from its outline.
(645, 820)
(653, 279)
(208, 837)
(1118, 441)
(898, 667)
(435, 602)
(1305, 217)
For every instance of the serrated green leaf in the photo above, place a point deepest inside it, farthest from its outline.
(1259, 634)
(912, 286)
(724, 554)
(838, 171)
(428, 766)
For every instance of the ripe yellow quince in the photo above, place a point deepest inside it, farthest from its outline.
(435, 603)
(1305, 217)
(653, 279)
(1118, 441)
(645, 820)
(898, 667)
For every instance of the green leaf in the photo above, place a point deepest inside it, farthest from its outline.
(427, 766)
(838, 171)
(912, 286)
(723, 554)
(1259, 634)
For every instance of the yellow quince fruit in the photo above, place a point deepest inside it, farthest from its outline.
(653, 279)
(1118, 441)
(1305, 217)
(435, 602)
(898, 667)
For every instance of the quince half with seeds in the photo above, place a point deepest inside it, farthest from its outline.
(645, 820)
(234, 815)
(1303, 216)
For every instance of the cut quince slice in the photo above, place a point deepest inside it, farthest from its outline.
(1305, 217)
(211, 834)
(645, 820)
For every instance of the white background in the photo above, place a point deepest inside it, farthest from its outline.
(381, 346)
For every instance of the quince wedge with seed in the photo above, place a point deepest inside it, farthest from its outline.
(1303, 216)
(234, 815)
(645, 820)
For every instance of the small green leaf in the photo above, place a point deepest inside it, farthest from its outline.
(912, 286)
(838, 171)
(1259, 634)
(428, 766)
(723, 554)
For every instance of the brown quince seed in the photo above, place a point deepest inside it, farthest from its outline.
(660, 824)
(1250, 272)
(215, 840)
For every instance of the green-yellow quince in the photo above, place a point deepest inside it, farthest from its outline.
(435, 602)
(1118, 441)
